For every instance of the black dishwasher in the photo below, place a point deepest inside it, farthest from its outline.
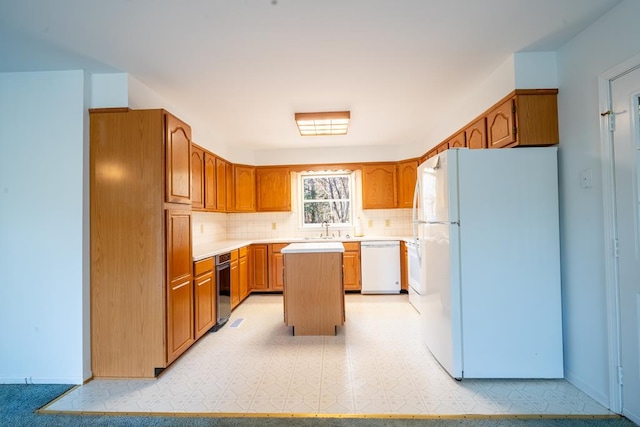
(223, 287)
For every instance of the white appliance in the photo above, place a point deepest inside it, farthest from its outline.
(486, 222)
(414, 267)
(380, 266)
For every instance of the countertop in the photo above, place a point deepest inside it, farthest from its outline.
(313, 247)
(209, 249)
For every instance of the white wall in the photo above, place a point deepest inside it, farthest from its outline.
(42, 212)
(609, 41)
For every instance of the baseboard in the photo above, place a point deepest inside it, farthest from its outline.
(42, 380)
(596, 395)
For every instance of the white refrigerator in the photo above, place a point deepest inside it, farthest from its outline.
(486, 222)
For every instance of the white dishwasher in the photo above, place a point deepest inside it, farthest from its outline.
(380, 267)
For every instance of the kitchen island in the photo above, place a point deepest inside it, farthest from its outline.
(313, 287)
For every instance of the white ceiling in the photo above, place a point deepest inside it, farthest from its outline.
(246, 66)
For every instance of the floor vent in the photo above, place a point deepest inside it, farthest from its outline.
(236, 323)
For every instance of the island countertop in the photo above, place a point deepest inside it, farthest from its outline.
(313, 247)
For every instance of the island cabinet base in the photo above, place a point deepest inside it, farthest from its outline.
(313, 292)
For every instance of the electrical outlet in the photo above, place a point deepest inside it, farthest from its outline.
(387, 223)
(370, 223)
(274, 225)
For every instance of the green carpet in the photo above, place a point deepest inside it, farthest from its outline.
(18, 403)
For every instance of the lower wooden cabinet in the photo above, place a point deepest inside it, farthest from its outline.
(180, 333)
(235, 280)
(243, 272)
(259, 268)
(276, 266)
(204, 286)
(351, 265)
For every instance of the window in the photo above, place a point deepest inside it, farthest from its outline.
(326, 197)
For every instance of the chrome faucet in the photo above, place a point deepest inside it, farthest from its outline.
(325, 224)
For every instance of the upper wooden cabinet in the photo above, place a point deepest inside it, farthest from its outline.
(197, 177)
(178, 160)
(379, 186)
(524, 118)
(476, 133)
(230, 188)
(221, 184)
(210, 186)
(457, 141)
(407, 172)
(273, 189)
(244, 178)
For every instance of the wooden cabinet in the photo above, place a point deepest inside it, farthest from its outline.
(178, 160)
(221, 184)
(180, 332)
(235, 280)
(140, 245)
(476, 134)
(197, 177)
(244, 178)
(314, 294)
(243, 273)
(276, 267)
(210, 186)
(404, 277)
(524, 118)
(273, 189)
(230, 188)
(259, 277)
(204, 287)
(379, 186)
(457, 141)
(351, 263)
(407, 172)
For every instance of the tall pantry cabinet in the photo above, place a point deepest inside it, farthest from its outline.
(142, 299)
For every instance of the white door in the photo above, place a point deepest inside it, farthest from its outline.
(625, 94)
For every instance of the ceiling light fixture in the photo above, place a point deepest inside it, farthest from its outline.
(329, 123)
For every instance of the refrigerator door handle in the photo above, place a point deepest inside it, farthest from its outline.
(414, 220)
(442, 222)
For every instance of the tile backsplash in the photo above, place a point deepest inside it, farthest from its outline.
(270, 225)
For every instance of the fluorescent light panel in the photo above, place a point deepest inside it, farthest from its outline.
(329, 123)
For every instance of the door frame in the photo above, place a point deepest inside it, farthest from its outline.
(610, 232)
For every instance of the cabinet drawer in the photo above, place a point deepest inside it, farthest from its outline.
(242, 252)
(351, 246)
(202, 266)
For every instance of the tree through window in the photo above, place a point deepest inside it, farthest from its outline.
(326, 197)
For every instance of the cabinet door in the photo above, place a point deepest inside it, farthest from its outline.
(205, 303)
(379, 186)
(457, 141)
(276, 260)
(209, 181)
(245, 188)
(177, 160)
(260, 274)
(221, 185)
(273, 189)
(197, 177)
(476, 134)
(231, 196)
(501, 125)
(407, 171)
(235, 283)
(180, 331)
(351, 261)
(243, 274)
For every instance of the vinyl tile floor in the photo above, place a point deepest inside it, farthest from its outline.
(376, 364)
